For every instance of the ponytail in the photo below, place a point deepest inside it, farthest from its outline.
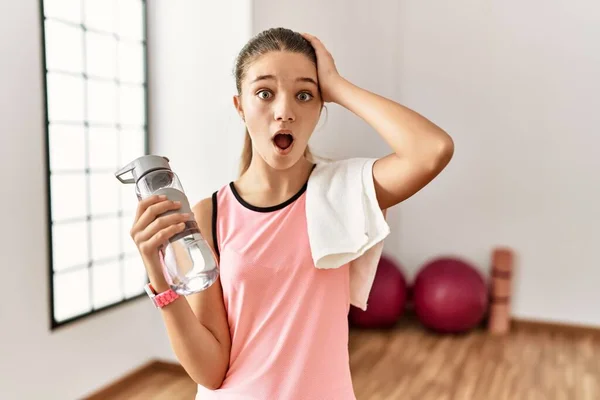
(246, 153)
(246, 157)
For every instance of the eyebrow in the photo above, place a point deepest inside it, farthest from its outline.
(302, 79)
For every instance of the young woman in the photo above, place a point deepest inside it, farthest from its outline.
(273, 326)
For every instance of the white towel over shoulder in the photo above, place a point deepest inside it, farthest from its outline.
(345, 223)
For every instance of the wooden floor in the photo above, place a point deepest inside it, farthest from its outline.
(530, 363)
(411, 363)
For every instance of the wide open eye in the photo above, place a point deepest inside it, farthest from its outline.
(305, 96)
(264, 94)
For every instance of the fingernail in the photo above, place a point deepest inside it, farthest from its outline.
(177, 202)
(162, 197)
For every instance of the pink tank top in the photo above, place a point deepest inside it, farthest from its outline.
(288, 319)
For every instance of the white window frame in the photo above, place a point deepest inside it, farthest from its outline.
(123, 278)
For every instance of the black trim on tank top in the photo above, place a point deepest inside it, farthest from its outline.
(270, 208)
(214, 224)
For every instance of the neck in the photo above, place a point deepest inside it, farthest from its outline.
(261, 177)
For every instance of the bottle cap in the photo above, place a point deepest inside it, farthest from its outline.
(141, 166)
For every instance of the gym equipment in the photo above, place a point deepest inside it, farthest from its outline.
(387, 298)
(501, 290)
(450, 295)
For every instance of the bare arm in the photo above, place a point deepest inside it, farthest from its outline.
(197, 324)
(421, 149)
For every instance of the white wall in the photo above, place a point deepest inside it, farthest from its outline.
(74, 360)
(516, 85)
(192, 116)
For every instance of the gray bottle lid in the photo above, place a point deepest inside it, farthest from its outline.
(141, 166)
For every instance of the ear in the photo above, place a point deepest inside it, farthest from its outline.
(237, 102)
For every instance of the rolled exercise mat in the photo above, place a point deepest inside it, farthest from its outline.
(501, 291)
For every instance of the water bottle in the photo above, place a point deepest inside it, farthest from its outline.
(188, 263)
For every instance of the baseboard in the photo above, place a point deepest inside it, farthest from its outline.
(557, 327)
(135, 375)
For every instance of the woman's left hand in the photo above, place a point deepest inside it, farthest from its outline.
(329, 77)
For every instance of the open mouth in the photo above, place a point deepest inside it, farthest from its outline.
(283, 140)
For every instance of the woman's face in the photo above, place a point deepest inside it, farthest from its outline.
(281, 105)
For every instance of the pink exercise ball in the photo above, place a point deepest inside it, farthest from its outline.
(386, 300)
(450, 295)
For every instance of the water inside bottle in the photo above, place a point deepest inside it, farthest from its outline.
(191, 264)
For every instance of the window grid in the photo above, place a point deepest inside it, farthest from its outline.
(124, 218)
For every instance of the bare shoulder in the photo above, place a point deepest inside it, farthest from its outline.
(203, 206)
(203, 211)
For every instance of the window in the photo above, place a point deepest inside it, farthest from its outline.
(96, 99)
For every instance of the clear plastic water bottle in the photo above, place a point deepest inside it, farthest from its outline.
(188, 262)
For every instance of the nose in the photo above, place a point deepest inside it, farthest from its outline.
(284, 110)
